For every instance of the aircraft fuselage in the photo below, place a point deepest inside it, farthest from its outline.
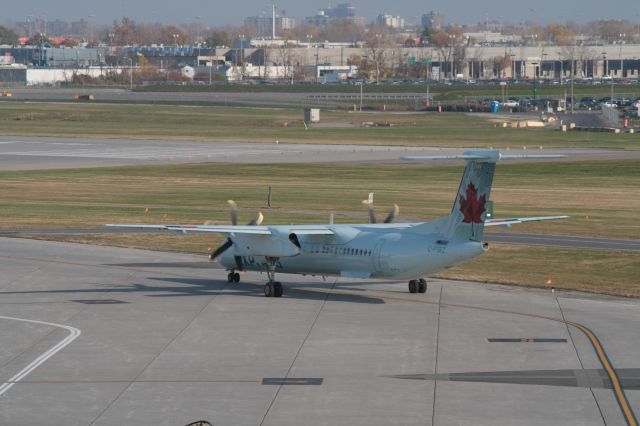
(397, 254)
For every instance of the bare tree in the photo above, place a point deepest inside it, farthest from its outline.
(499, 65)
(448, 44)
(378, 42)
(287, 58)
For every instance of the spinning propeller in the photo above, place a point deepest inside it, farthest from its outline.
(372, 213)
(233, 211)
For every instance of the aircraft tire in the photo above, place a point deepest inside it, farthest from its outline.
(422, 285)
(230, 277)
(236, 277)
(269, 290)
(412, 286)
(277, 289)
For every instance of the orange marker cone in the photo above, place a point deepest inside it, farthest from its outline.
(549, 282)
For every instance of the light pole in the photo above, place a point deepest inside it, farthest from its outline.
(175, 39)
(317, 53)
(561, 68)
(622, 36)
(241, 36)
(451, 42)
(535, 78)
(130, 72)
(377, 58)
(573, 77)
(198, 27)
(360, 83)
(606, 68)
(513, 66)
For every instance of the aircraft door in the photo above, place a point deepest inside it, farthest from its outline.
(379, 263)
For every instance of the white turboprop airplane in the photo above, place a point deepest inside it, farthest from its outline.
(391, 250)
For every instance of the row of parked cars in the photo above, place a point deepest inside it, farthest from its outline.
(586, 102)
(620, 102)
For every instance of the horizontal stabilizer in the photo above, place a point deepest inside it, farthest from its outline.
(484, 156)
(516, 220)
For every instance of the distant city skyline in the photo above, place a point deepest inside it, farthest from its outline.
(220, 14)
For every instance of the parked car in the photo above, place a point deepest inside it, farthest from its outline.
(589, 102)
(510, 103)
(525, 102)
(623, 101)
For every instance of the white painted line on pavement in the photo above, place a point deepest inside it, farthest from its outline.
(73, 334)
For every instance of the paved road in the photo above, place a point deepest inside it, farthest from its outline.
(563, 241)
(25, 153)
(244, 98)
(195, 98)
(163, 342)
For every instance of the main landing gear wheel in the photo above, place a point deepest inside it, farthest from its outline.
(233, 277)
(273, 289)
(418, 286)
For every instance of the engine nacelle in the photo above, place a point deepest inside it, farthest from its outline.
(264, 245)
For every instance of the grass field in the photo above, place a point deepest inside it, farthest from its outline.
(603, 199)
(285, 125)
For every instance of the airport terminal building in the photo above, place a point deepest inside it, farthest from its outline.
(429, 63)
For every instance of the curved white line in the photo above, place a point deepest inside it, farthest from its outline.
(73, 334)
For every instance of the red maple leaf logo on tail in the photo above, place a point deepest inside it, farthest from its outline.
(472, 207)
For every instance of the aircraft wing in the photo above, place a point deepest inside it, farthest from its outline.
(223, 229)
(228, 229)
(515, 220)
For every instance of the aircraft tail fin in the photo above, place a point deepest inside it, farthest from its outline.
(470, 208)
(466, 220)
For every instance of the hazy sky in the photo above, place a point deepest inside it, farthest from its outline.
(216, 12)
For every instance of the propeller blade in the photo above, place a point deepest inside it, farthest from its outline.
(372, 212)
(392, 214)
(233, 207)
(256, 220)
(221, 249)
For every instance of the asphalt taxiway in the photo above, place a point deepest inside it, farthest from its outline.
(109, 336)
(31, 153)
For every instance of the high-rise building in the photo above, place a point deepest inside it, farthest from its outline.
(263, 25)
(395, 22)
(431, 20)
(342, 11)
